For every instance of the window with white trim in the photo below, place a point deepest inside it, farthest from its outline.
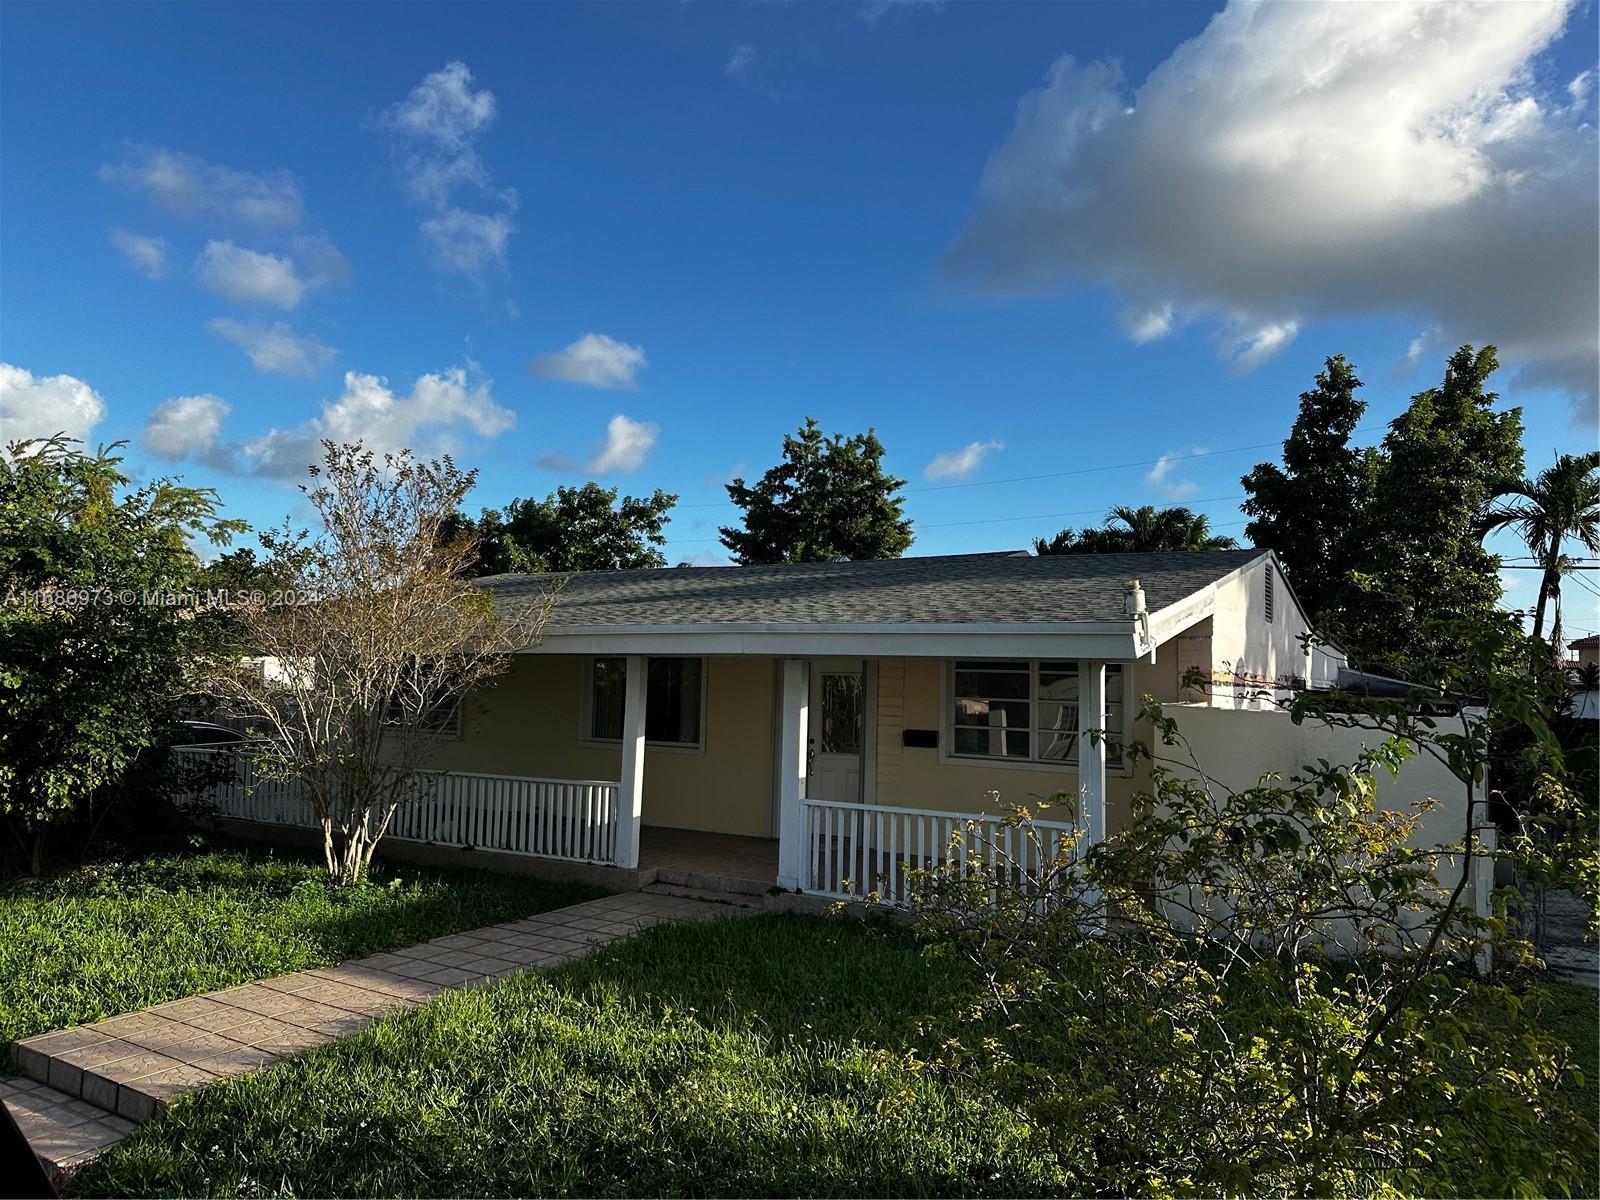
(1025, 712)
(673, 700)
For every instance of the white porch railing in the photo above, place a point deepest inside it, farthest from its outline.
(856, 849)
(573, 819)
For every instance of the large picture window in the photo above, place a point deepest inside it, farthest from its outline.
(673, 692)
(1026, 712)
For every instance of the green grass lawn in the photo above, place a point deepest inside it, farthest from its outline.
(115, 936)
(752, 1056)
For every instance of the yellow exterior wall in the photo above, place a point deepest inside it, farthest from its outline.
(910, 692)
(527, 723)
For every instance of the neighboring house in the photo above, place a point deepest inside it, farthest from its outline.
(1587, 650)
(855, 712)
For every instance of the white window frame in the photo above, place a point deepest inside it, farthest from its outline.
(947, 722)
(586, 707)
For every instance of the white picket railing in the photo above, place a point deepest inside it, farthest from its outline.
(853, 850)
(543, 818)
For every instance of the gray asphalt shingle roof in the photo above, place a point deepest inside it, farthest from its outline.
(982, 588)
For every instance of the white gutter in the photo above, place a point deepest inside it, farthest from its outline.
(1113, 641)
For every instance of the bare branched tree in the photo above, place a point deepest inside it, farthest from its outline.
(371, 638)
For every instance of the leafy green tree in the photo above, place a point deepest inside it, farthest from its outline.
(94, 629)
(1137, 530)
(1559, 504)
(1424, 570)
(1266, 990)
(572, 529)
(1308, 509)
(829, 498)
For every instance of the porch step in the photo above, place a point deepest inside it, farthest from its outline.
(64, 1131)
(710, 895)
(704, 881)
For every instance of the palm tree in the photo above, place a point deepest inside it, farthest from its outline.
(1561, 503)
(1140, 530)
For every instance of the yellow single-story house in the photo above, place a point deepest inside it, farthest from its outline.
(852, 705)
(821, 727)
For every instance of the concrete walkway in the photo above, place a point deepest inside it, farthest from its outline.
(89, 1086)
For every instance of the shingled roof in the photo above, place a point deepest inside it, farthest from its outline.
(964, 588)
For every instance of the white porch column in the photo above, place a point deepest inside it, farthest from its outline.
(1092, 752)
(630, 795)
(792, 733)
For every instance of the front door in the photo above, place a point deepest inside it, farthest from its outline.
(838, 730)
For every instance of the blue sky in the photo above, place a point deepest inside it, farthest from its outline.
(956, 223)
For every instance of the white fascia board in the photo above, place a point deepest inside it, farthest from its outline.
(1112, 641)
(1167, 623)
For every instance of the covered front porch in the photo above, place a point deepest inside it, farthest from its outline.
(844, 759)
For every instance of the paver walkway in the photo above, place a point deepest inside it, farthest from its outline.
(89, 1086)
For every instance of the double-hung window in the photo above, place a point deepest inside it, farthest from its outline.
(1026, 712)
(674, 691)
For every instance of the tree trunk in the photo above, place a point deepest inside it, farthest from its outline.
(1549, 582)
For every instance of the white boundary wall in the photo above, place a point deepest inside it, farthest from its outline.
(1236, 747)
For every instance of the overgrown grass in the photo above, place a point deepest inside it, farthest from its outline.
(116, 936)
(752, 1056)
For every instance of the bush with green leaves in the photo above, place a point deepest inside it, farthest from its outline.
(92, 648)
(1265, 989)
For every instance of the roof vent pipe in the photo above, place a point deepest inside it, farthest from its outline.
(1133, 598)
(1133, 605)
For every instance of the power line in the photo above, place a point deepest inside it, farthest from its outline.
(1126, 466)
(1050, 516)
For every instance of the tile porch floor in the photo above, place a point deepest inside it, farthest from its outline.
(680, 852)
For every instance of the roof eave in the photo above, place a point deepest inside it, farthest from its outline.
(1113, 641)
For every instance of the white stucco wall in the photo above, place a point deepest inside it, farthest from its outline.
(1249, 654)
(1236, 748)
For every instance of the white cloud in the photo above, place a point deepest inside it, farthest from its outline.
(624, 448)
(960, 464)
(441, 409)
(433, 135)
(1147, 325)
(1414, 349)
(187, 186)
(472, 245)
(1159, 478)
(1302, 162)
(443, 109)
(147, 255)
(1249, 350)
(43, 406)
(740, 61)
(249, 277)
(189, 427)
(275, 349)
(595, 359)
(432, 419)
